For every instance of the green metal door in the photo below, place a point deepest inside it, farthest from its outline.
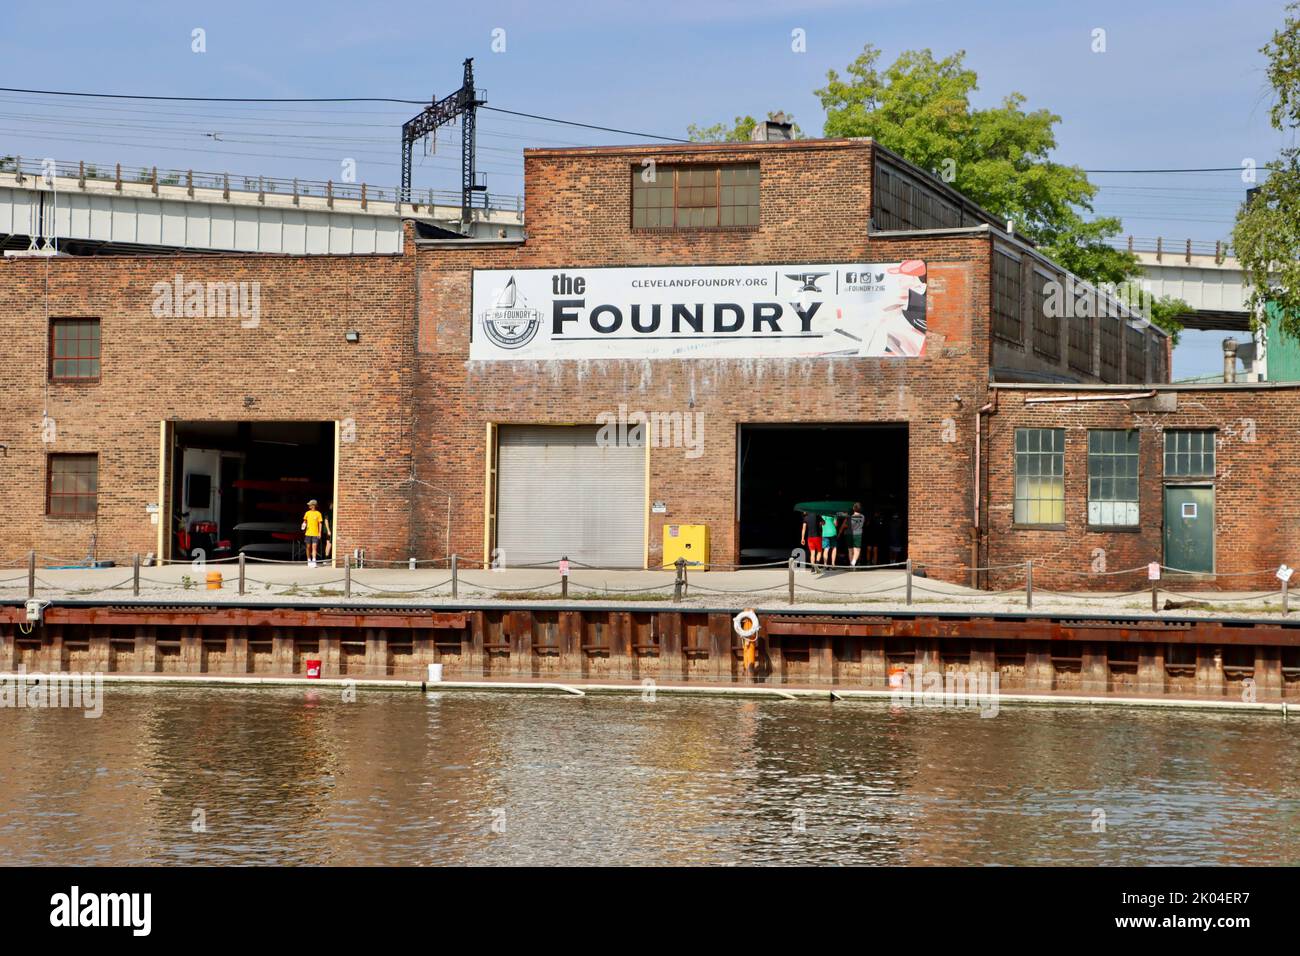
(1189, 529)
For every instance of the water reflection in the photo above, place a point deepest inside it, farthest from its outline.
(176, 775)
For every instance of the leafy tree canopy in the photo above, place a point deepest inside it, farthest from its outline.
(1267, 233)
(920, 108)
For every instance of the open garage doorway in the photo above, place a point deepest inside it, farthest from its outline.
(243, 486)
(779, 466)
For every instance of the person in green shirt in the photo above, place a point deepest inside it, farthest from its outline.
(830, 532)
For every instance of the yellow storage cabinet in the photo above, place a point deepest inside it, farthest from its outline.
(689, 541)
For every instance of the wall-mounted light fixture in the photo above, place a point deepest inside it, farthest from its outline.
(352, 335)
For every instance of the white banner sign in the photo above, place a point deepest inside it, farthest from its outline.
(791, 311)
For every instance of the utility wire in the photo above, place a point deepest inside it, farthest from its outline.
(327, 99)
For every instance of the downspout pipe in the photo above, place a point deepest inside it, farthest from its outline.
(979, 467)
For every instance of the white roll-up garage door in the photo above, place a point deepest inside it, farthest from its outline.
(560, 494)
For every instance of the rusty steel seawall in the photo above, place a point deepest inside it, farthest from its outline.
(1181, 657)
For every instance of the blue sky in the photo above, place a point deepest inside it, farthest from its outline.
(1180, 83)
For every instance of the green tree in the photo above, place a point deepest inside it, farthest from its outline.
(1266, 236)
(920, 108)
(738, 132)
(1165, 312)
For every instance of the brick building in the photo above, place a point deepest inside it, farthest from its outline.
(755, 324)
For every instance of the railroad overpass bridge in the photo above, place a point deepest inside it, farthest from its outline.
(1205, 275)
(123, 210)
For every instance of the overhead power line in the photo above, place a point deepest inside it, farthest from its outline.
(328, 99)
(1205, 169)
(495, 109)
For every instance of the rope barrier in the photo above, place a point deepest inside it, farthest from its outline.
(655, 587)
(891, 587)
(1210, 597)
(371, 587)
(709, 590)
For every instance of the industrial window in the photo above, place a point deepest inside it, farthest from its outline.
(902, 203)
(1081, 344)
(1112, 478)
(1040, 476)
(1110, 349)
(1135, 354)
(1189, 454)
(74, 350)
(695, 197)
(1047, 328)
(1156, 352)
(73, 485)
(1007, 304)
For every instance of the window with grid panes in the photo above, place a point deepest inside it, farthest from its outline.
(1135, 354)
(1081, 343)
(1112, 478)
(72, 486)
(1007, 306)
(695, 197)
(1110, 348)
(74, 350)
(1189, 454)
(1040, 476)
(1047, 328)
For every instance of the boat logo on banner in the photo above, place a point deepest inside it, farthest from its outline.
(786, 311)
(509, 323)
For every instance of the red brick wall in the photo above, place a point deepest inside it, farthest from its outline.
(295, 365)
(578, 215)
(1257, 513)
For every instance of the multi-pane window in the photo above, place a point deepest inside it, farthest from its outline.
(1189, 454)
(1040, 476)
(73, 485)
(74, 349)
(1008, 317)
(1047, 327)
(695, 197)
(1081, 343)
(1135, 354)
(1110, 348)
(1112, 477)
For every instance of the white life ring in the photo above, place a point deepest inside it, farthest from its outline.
(746, 624)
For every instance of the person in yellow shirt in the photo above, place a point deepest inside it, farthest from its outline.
(311, 526)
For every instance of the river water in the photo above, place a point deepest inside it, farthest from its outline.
(291, 776)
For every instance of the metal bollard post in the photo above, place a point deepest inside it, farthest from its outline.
(909, 582)
(1284, 599)
(1029, 584)
(31, 574)
(135, 575)
(347, 576)
(680, 564)
(1155, 597)
(455, 570)
(791, 563)
(241, 573)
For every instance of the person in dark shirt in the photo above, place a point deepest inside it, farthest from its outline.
(811, 537)
(895, 537)
(856, 522)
